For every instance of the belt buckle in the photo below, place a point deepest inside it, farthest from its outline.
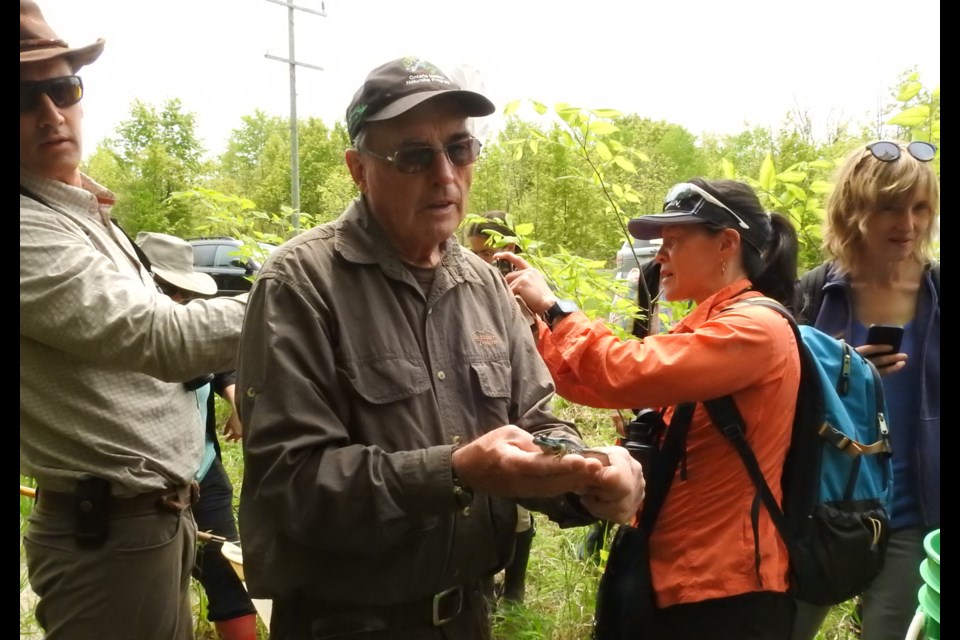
(439, 599)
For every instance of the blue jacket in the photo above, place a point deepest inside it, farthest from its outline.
(836, 319)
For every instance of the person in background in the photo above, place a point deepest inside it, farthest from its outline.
(881, 218)
(719, 567)
(390, 390)
(107, 429)
(229, 607)
(485, 239)
(491, 235)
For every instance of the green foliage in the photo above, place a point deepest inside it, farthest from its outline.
(243, 167)
(236, 217)
(552, 183)
(155, 153)
(800, 191)
(256, 166)
(570, 276)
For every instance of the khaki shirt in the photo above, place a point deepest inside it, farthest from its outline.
(103, 353)
(354, 387)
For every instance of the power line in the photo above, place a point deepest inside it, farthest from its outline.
(293, 63)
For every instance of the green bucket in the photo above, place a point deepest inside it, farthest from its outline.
(931, 544)
(929, 594)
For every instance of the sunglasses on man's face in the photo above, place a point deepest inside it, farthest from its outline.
(64, 91)
(887, 151)
(461, 153)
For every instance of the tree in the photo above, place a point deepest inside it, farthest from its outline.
(256, 165)
(241, 169)
(154, 154)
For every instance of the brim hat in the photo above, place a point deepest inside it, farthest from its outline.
(399, 85)
(171, 260)
(693, 208)
(38, 42)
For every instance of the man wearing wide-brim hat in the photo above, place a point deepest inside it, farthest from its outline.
(107, 429)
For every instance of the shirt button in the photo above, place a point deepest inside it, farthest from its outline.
(466, 511)
(456, 439)
(441, 375)
(251, 392)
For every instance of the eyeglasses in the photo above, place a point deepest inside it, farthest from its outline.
(414, 159)
(64, 91)
(687, 191)
(886, 151)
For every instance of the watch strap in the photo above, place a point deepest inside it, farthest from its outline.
(559, 309)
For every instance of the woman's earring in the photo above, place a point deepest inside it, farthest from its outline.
(723, 267)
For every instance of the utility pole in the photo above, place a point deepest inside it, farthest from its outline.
(291, 60)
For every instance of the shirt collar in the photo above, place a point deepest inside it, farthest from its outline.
(716, 303)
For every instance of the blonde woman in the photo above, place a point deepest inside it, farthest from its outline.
(881, 220)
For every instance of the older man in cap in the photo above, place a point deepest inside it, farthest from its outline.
(107, 427)
(390, 391)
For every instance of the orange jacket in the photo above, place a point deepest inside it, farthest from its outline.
(702, 546)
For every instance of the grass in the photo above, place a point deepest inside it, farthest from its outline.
(561, 588)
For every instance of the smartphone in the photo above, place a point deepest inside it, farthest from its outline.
(890, 334)
(505, 266)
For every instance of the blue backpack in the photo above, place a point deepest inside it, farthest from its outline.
(838, 477)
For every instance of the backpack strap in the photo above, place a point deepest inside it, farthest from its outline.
(810, 294)
(665, 465)
(144, 260)
(727, 419)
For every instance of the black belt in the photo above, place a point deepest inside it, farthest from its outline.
(437, 610)
(174, 499)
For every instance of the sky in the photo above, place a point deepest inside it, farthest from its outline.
(713, 67)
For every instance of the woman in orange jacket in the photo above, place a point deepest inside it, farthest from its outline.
(718, 565)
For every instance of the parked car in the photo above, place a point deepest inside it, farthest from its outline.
(223, 259)
(627, 258)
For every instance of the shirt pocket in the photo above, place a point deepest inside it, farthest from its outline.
(493, 377)
(388, 380)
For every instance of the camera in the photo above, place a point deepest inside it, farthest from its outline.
(642, 438)
(504, 266)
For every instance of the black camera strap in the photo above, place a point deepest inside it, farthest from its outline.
(625, 596)
(665, 465)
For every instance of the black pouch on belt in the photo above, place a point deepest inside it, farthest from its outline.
(92, 508)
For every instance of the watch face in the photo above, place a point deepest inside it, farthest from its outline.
(560, 309)
(567, 306)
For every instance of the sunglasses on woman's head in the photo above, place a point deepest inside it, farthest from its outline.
(64, 91)
(689, 191)
(886, 151)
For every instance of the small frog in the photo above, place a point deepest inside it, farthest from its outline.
(564, 446)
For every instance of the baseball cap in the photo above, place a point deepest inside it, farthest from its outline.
(688, 203)
(397, 86)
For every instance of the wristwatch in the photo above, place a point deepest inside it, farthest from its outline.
(560, 309)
